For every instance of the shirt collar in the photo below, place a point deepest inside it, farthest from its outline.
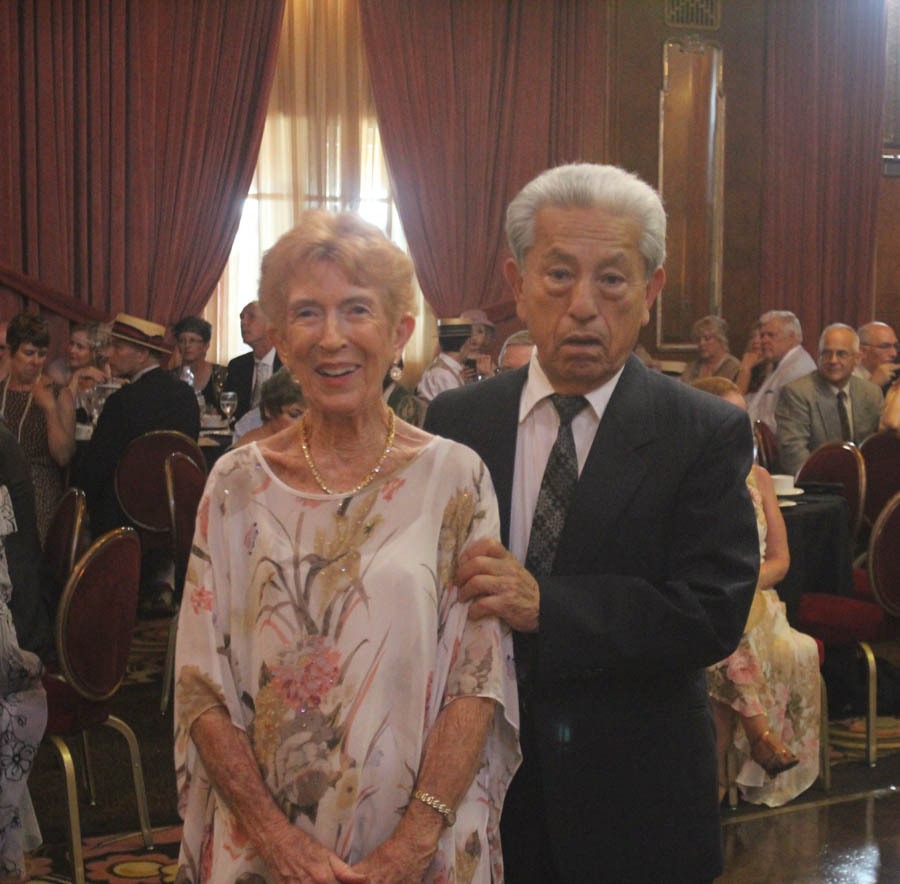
(538, 387)
(268, 359)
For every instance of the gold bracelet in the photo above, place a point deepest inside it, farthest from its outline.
(438, 805)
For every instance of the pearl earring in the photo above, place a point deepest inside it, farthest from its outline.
(396, 372)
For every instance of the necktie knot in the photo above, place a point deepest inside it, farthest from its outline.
(567, 407)
(842, 396)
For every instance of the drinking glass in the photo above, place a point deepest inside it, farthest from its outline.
(228, 403)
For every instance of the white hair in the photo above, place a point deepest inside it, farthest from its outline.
(839, 326)
(788, 320)
(587, 186)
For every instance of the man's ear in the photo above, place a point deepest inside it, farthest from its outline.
(515, 279)
(654, 287)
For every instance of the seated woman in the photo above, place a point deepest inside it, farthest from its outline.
(338, 716)
(770, 684)
(280, 404)
(85, 364)
(25, 632)
(710, 334)
(754, 368)
(890, 412)
(38, 412)
(192, 336)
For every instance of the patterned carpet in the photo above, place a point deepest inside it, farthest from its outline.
(116, 858)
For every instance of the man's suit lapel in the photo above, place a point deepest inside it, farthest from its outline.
(827, 408)
(614, 468)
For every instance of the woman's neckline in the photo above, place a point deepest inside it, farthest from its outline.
(321, 495)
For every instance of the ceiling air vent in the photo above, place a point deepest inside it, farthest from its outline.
(694, 14)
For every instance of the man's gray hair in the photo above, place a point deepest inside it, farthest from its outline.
(839, 326)
(788, 320)
(588, 186)
(516, 339)
(865, 331)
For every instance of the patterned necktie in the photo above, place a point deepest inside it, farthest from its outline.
(560, 476)
(846, 435)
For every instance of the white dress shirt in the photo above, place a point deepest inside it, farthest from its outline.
(538, 428)
(262, 371)
(444, 373)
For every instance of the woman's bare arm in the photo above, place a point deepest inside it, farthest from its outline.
(778, 557)
(452, 755)
(289, 853)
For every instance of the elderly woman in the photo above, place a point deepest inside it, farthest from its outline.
(770, 685)
(192, 336)
(280, 404)
(38, 412)
(338, 716)
(710, 334)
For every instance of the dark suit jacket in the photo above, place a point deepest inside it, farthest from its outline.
(653, 580)
(156, 401)
(240, 379)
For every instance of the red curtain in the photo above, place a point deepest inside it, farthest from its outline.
(474, 98)
(824, 92)
(129, 142)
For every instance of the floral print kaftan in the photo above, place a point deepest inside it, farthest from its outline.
(329, 628)
(774, 672)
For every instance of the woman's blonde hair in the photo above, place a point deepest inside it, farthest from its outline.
(717, 386)
(359, 249)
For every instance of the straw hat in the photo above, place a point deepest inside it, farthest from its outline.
(477, 317)
(140, 332)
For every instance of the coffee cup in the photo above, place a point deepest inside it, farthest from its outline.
(783, 484)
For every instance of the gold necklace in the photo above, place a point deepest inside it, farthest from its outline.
(372, 473)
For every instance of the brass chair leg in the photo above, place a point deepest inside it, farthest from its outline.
(138, 775)
(871, 705)
(824, 738)
(75, 852)
(88, 777)
(169, 666)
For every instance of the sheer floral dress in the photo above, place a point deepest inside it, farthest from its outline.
(773, 672)
(23, 717)
(328, 626)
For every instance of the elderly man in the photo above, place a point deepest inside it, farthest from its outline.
(827, 404)
(878, 354)
(248, 372)
(516, 351)
(637, 537)
(780, 339)
(153, 400)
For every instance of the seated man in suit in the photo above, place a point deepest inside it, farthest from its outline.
(780, 341)
(638, 542)
(877, 354)
(153, 400)
(247, 373)
(829, 403)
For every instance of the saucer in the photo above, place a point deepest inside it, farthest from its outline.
(786, 503)
(792, 493)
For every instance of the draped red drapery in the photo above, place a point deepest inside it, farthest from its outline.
(475, 98)
(825, 66)
(128, 142)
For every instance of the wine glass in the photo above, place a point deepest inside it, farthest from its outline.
(228, 404)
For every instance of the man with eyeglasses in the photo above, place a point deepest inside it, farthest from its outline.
(828, 404)
(878, 354)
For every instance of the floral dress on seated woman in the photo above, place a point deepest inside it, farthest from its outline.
(775, 673)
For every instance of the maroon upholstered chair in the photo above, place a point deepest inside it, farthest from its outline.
(839, 463)
(94, 626)
(140, 477)
(184, 488)
(67, 535)
(837, 620)
(766, 446)
(881, 454)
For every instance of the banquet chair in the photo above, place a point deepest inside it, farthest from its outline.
(140, 477)
(184, 488)
(766, 446)
(839, 463)
(94, 627)
(67, 535)
(840, 620)
(881, 453)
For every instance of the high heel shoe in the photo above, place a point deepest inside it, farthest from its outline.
(771, 756)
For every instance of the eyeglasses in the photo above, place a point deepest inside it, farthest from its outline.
(835, 354)
(890, 345)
